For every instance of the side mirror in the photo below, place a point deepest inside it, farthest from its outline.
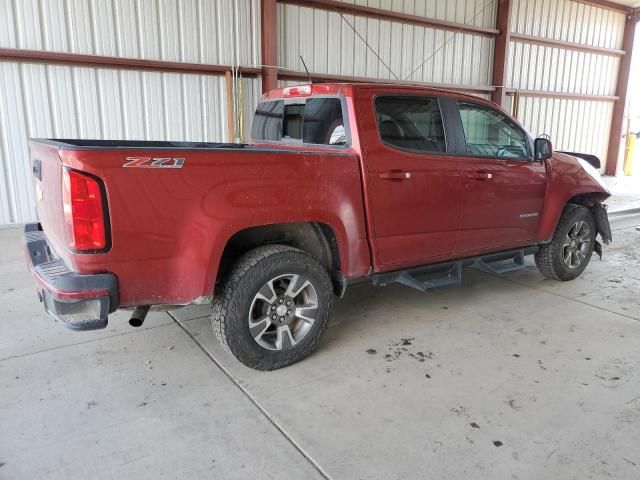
(543, 149)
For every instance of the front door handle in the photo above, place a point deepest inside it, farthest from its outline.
(481, 176)
(395, 175)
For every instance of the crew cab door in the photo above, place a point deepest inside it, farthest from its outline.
(504, 189)
(413, 183)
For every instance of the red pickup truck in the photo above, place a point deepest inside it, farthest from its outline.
(341, 183)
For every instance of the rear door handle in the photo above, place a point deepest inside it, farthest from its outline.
(481, 176)
(395, 175)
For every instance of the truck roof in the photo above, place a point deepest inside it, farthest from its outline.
(346, 88)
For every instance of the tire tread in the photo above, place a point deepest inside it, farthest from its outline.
(223, 311)
(547, 257)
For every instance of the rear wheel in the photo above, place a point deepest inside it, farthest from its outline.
(570, 250)
(273, 307)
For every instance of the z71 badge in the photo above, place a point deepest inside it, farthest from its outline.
(155, 162)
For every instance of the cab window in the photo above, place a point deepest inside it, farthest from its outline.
(489, 133)
(411, 123)
(316, 121)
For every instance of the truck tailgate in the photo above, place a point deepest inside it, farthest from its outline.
(46, 166)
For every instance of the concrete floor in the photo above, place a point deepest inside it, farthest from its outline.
(512, 377)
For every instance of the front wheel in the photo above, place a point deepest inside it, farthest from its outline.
(274, 307)
(569, 252)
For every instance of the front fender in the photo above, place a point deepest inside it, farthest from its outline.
(568, 179)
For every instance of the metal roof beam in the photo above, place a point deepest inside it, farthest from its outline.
(608, 4)
(378, 13)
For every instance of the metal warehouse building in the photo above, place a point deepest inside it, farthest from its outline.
(194, 69)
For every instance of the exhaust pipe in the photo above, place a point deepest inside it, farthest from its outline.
(138, 315)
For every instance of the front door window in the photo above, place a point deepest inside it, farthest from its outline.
(489, 133)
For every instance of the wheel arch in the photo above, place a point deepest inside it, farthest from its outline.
(588, 199)
(316, 238)
(553, 210)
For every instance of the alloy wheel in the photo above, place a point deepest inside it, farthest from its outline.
(576, 244)
(283, 311)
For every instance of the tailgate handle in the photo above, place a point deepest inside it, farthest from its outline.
(37, 169)
(395, 175)
(481, 176)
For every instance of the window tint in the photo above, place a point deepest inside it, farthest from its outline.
(413, 123)
(490, 133)
(292, 125)
(323, 121)
(267, 122)
(316, 121)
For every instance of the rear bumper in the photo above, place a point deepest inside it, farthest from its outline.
(79, 302)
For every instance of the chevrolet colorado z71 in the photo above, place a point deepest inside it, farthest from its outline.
(340, 183)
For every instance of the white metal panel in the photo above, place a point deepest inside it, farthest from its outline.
(199, 31)
(328, 43)
(574, 125)
(459, 11)
(59, 101)
(7, 30)
(569, 21)
(71, 102)
(537, 67)
(14, 127)
(251, 93)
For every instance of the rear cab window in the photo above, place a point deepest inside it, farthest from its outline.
(411, 123)
(314, 120)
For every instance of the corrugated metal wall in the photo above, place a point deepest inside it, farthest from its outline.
(337, 44)
(350, 45)
(199, 31)
(57, 101)
(61, 101)
(574, 125)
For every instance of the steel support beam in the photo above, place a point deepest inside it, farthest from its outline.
(607, 4)
(342, 7)
(120, 63)
(622, 85)
(501, 52)
(579, 47)
(269, 43)
(562, 95)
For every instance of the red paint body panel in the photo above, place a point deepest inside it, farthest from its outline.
(491, 215)
(169, 226)
(566, 179)
(414, 198)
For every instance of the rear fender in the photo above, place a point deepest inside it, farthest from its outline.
(351, 250)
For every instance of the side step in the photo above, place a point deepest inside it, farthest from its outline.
(423, 278)
(450, 273)
(500, 262)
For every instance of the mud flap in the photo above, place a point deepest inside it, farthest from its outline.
(599, 212)
(598, 249)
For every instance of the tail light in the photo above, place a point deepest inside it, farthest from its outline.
(84, 212)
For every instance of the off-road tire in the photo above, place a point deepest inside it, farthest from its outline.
(232, 304)
(549, 258)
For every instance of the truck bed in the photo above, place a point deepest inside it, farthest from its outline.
(75, 144)
(168, 227)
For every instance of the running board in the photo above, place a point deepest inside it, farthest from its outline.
(450, 273)
(500, 263)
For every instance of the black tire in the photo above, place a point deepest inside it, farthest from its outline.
(550, 259)
(234, 303)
